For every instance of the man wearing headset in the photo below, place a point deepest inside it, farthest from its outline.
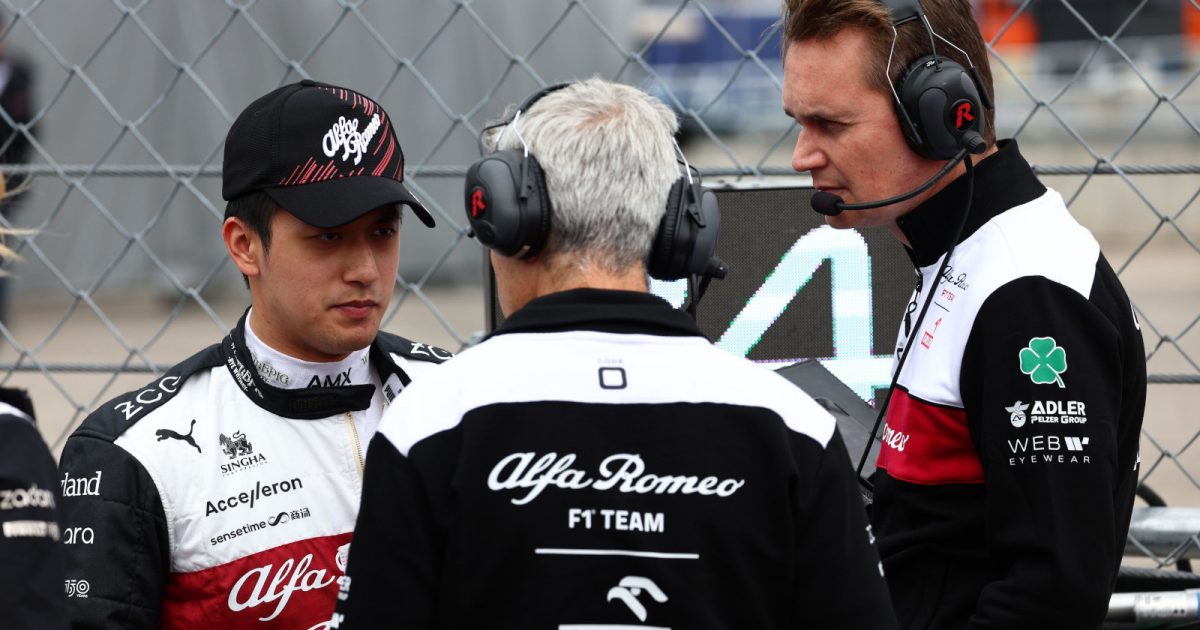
(1010, 449)
(597, 462)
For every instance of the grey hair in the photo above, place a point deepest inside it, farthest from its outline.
(609, 157)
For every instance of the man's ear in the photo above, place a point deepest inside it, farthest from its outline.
(244, 246)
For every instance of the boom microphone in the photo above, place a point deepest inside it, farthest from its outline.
(832, 205)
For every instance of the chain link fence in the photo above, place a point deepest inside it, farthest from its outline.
(121, 273)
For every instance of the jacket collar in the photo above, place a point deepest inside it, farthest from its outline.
(600, 310)
(1002, 181)
(301, 404)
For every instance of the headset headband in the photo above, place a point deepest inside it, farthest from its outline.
(904, 11)
(524, 106)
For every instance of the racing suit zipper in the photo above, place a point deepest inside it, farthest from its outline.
(354, 441)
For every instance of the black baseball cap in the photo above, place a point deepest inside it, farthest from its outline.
(326, 154)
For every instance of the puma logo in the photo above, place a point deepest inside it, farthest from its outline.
(167, 433)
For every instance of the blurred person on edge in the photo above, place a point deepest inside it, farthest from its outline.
(16, 99)
(224, 493)
(1010, 450)
(596, 460)
(31, 555)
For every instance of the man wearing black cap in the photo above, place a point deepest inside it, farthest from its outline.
(224, 493)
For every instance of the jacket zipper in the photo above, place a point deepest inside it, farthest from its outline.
(354, 441)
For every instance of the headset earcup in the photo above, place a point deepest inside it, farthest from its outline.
(662, 265)
(538, 211)
(498, 216)
(703, 247)
(942, 101)
(491, 201)
(909, 120)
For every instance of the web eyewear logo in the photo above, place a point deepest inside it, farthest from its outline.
(1048, 449)
(1016, 414)
(1044, 361)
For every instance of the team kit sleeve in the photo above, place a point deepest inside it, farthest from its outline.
(118, 556)
(840, 581)
(31, 558)
(393, 569)
(1041, 384)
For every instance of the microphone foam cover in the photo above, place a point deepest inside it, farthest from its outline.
(826, 203)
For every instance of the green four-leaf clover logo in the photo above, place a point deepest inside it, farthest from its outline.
(1044, 361)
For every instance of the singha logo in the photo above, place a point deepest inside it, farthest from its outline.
(236, 446)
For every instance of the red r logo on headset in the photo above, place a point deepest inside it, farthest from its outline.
(962, 115)
(477, 203)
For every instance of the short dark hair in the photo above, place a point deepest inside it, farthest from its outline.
(805, 20)
(256, 210)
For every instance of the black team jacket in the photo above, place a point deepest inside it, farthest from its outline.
(31, 539)
(1010, 456)
(597, 461)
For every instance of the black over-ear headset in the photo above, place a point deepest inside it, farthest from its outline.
(509, 210)
(941, 105)
(941, 108)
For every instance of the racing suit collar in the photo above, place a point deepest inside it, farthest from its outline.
(600, 310)
(299, 404)
(1002, 181)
